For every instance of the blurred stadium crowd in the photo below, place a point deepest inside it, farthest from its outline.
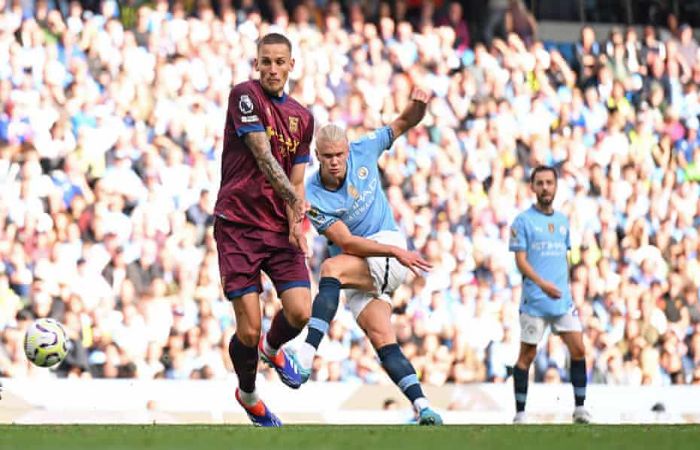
(110, 136)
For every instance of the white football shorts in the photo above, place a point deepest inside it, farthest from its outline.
(532, 328)
(387, 274)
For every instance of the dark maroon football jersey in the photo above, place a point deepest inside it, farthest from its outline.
(245, 195)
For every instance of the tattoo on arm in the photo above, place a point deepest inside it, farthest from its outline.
(259, 144)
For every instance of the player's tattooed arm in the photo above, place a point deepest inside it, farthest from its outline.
(259, 145)
(412, 114)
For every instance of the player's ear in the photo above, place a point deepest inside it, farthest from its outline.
(291, 63)
(255, 64)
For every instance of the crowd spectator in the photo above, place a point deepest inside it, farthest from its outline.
(111, 128)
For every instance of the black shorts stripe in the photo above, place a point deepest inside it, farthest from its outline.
(386, 275)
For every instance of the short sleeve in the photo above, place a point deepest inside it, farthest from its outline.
(320, 219)
(518, 236)
(303, 155)
(244, 110)
(375, 142)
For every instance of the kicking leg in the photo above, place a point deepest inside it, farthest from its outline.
(341, 270)
(375, 320)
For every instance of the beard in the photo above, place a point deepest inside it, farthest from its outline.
(545, 200)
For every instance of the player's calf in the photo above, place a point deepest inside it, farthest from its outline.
(245, 363)
(403, 374)
(520, 385)
(579, 380)
(322, 312)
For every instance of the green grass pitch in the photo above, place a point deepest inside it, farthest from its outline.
(331, 437)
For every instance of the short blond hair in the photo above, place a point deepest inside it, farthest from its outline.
(330, 133)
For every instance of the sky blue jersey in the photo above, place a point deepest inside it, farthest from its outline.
(360, 201)
(545, 240)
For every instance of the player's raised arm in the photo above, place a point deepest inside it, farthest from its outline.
(259, 144)
(340, 235)
(412, 114)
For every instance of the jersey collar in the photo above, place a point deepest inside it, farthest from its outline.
(281, 99)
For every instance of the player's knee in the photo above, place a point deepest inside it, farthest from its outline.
(331, 268)
(299, 316)
(531, 354)
(577, 352)
(379, 336)
(526, 357)
(248, 335)
(381, 339)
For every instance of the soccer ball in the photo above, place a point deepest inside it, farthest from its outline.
(46, 342)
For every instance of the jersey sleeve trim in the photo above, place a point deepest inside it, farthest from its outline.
(390, 132)
(302, 159)
(245, 129)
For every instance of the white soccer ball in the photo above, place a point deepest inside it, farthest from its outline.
(46, 342)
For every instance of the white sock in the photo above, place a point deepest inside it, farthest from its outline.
(305, 355)
(421, 403)
(269, 350)
(249, 398)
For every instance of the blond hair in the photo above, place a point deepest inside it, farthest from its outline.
(330, 133)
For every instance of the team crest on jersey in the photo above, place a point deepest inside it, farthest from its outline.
(362, 173)
(550, 227)
(293, 124)
(353, 192)
(245, 104)
(562, 230)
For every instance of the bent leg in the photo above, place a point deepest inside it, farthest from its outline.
(339, 271)
(290, 320)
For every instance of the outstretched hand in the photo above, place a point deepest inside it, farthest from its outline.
(413, 261)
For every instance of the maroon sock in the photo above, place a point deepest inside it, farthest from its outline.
(281, 331)
(245, 363)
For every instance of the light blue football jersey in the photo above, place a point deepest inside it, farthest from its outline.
(545, 239)
(360, 202)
